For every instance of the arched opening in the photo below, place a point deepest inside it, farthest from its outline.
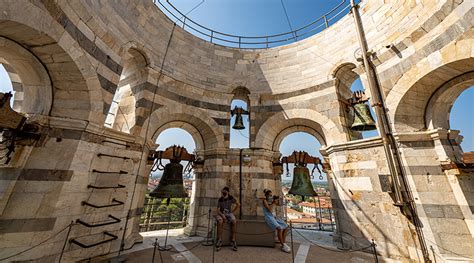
(121, 115)
(429, 109)
(314, 213)
(239, 138)
(42, 67)
(156, 212)
(460, 118)
(6, 83)
(352, 116)
(23, 74)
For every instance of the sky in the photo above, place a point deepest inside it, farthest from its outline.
(253, 17)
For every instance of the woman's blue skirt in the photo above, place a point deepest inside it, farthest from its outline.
(275, 223)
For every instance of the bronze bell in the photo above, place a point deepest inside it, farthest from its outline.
(171, 183)
(239, 123)
(301, 182)
(9, 119)
(363, 120)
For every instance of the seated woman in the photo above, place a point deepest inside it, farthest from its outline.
(272, 221)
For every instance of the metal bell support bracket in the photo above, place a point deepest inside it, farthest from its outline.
(301, 184)
(13, 128)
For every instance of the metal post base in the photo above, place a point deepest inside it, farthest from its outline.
(164, 248)
(208, 241)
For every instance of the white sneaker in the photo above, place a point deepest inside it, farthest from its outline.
(285, 248)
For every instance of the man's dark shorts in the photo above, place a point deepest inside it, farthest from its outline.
(229, 217)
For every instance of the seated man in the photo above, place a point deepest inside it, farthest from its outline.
(226, 206)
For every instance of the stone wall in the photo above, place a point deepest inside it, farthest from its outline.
(80, 61)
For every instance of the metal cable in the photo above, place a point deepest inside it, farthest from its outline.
(122, 243)
(288, 20)
(192, 9)
(124, 117)
(329, 249)
(37, 245)
(447, 250)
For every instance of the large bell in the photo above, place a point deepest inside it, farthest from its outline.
(301, 182)
(171, 183)
(239, 122)
(363, 120)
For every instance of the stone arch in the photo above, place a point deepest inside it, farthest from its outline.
(438, 108)
(271, 131)
(132, 45)
(415, 109)
(408, 99)
(133, 61)
(205, 130)
(241, 93)
(64, 62)
(30, 80)
(122, 113)
(297, 128)
(195, 134)
(344, 76)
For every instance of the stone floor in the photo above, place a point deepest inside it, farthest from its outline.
(190, 249)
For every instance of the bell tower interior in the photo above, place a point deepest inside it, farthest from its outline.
(125, 127)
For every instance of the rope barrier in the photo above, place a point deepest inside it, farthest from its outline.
(446, 250)
(37, 245)
(329, 249)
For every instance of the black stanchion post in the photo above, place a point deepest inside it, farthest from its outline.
(292, 249)
(166, 247)
(213, 238)
(209, 241)
(154, 250)
(375, 251)
(342, 242)
(434, 254)
(159, 253)
(330, 219)
(320, 214)
(65, 241)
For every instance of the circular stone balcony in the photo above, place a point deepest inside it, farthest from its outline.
(182, 19)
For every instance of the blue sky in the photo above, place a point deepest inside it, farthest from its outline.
(254, 17)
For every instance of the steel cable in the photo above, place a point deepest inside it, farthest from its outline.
(329, 249)
(37, 245)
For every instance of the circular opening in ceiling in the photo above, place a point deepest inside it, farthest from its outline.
(254, 23)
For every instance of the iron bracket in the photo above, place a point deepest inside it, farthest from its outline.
(113, 237)
(115, 221)
(117, 203)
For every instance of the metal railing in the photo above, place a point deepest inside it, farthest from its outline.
(320, 217)
(157, 216)
(253, 42)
